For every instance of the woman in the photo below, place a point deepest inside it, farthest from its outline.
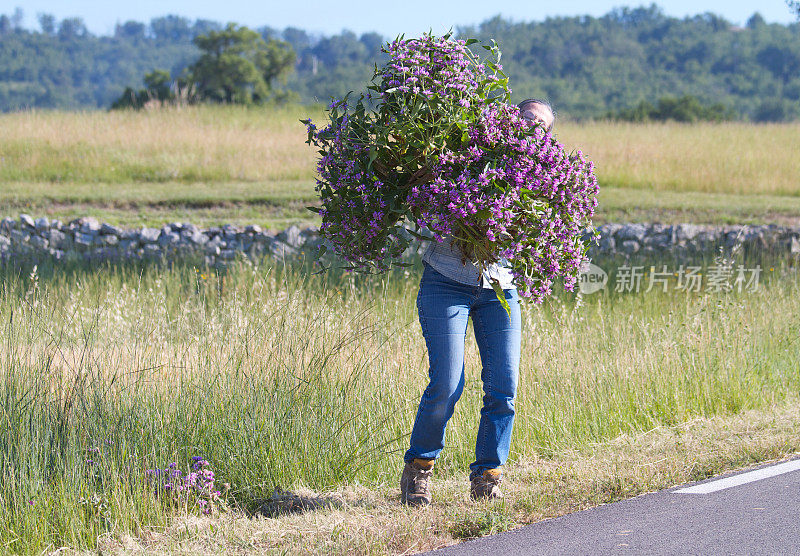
(449, 293)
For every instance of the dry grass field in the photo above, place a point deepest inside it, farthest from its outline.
(736, 158)
(192, 144)
(230, 164)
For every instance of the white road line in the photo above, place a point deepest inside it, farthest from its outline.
(742, 478)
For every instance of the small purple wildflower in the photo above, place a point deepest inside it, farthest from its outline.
(197, 486)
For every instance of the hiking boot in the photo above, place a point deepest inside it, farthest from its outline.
(485, 485)
(414, 488)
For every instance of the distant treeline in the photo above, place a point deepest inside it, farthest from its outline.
(680, 109)
(623, 64)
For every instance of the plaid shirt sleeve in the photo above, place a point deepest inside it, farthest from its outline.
(446, 259)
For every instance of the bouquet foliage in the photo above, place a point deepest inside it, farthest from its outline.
(436, 143)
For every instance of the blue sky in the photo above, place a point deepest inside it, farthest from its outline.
(328, 17)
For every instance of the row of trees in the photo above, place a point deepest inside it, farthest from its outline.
(236, 65)
(167, 29)
(680, 109)
(588, 67)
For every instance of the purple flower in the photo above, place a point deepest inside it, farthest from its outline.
(513, 186)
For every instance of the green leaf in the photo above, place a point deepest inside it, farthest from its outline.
(314, 209)
(471, 41)
(322, 268)
(501, 296)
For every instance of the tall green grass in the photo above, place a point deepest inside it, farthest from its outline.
(281, 378)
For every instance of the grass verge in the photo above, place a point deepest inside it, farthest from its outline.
(299, 383)
(354, 519)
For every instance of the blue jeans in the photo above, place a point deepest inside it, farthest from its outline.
(444, 306)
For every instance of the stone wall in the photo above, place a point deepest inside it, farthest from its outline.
(92, 241)
(683, 240)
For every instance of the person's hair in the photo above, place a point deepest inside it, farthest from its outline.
(528, 101)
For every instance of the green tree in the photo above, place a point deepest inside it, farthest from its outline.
(72, 28)
(157, 87)
(131, 30)
(171, 28)
(239, 66)
(158, 83)
(47, 22)
(795, 6)
(776, 110)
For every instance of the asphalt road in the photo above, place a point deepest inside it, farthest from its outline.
(752, 511)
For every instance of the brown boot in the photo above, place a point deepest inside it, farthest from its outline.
(414, 488)
(485, 485)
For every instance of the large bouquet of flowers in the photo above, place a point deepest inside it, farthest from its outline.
(442, 148)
